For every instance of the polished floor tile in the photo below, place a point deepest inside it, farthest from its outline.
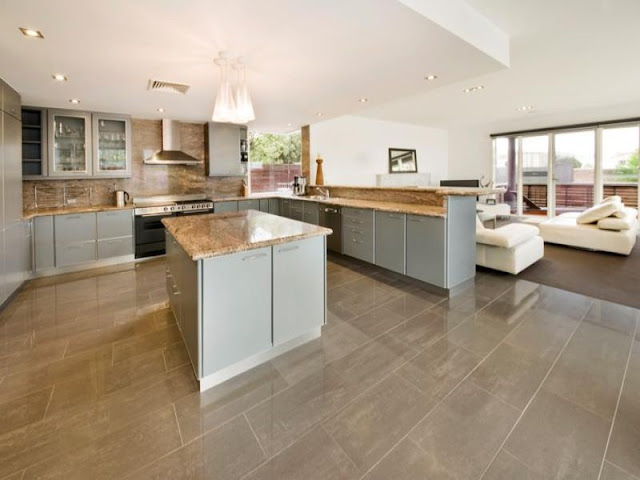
(376, 421)
(591, 368)
(562, 439)
(226, 453)
(438, 370)
(314, 457)
(507, 467)
(404, 383)
(511, 374)
(462, 434)
(624, 449)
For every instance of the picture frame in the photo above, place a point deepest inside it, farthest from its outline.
(403, 160)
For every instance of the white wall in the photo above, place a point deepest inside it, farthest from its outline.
(355, 149)
(470, 148)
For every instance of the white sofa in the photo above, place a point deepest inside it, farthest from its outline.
(510, 249)
(565, 230)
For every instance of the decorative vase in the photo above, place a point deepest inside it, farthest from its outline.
(319, 172)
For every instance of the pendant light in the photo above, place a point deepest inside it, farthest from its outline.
(244, 106)
(225, 108)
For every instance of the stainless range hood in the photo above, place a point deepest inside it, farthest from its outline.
(171, 154)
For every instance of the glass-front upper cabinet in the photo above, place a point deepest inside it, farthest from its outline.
(111, 145)
(69, 143)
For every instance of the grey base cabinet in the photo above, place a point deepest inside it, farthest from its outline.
(227, 206)
(390, 241)
(426, 249)
(182, 288)
(358, 234)
(296, 211)
(298, 288)
(236, 308)
(264, 205)
(248, 205)
(311, 213)
(75, 239)
(274, 206)
(43, 244)
(71, 240)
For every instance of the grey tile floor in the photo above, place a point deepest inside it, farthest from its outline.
(508, 380)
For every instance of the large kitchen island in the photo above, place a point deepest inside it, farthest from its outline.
(244, 288)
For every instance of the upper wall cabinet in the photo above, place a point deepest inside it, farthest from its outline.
(69, 143)
(34, 142)
(111, 145)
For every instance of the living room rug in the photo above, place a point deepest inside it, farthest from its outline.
(607, 276)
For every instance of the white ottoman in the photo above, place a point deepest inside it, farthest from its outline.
(510, 249)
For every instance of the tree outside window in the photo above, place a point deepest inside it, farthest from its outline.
(275, 159)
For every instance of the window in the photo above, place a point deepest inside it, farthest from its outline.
(569, 169)
(274, 160)
(620, 163)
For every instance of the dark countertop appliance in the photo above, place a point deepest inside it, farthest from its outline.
(149, 212)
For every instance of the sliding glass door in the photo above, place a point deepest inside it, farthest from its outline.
(573, 171)
(563, 170)
(534, 162)
(620, 162)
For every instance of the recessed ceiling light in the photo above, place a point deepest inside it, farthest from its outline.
(75, 101)
(319, 114)
(363, 100)
(31, 32)
(161, 110)
(59, 77)
(525, 108)
(288, 124)
(473, 89)
(430, 77)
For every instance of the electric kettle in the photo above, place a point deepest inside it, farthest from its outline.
(122, 198)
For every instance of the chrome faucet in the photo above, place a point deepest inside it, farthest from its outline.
(324, 193)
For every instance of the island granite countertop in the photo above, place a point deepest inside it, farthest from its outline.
(211, 235)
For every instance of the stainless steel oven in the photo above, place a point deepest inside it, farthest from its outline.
(149, 213)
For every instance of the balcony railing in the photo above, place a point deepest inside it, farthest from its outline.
(575, 196)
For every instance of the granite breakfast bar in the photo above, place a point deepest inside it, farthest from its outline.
(244, 287)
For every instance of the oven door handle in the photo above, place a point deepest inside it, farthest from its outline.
(155, 215)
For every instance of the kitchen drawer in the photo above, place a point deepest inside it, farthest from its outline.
(115, 224)
(75, 228)
(358, 245)
(248, 205)
(363, 213)
(115, 247)
(361, 219)
(230, 206)
(75, 253)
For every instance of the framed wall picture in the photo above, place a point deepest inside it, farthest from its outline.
(402, 160)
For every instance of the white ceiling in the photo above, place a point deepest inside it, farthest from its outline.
(304, 56)
(566, 55)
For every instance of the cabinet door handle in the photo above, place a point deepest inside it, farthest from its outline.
(73, 217)
(390, 215)
(254, 257)
(412, 219)
(288, 249)
(353, 230)
(356, 241)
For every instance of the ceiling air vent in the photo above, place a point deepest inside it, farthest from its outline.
(160, 86)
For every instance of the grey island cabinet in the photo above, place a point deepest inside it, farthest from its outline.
(244, 287)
